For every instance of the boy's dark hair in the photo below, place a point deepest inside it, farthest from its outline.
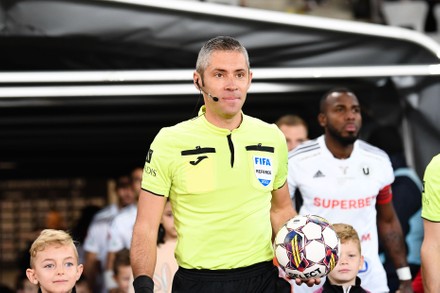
(122, 258)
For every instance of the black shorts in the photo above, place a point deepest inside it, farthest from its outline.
(258, 278)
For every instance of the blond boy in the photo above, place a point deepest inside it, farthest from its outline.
(343, 278)
(54, 262)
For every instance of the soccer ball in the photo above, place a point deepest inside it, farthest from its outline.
(307, 247)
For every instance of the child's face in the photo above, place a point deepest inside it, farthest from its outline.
(123, 278)
(348, 266)
(55, 269)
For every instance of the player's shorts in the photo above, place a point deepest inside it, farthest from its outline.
(257, 278)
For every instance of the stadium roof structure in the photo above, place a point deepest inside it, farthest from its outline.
(86, 85)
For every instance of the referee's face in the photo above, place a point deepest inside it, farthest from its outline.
(228, 79)
(341, 117)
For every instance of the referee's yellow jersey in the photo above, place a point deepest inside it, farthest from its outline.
(431, 191)
(219, 183)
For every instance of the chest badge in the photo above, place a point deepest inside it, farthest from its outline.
(263, 169)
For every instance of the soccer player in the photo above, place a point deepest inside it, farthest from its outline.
(294, 129)
(54, 262)
(344, 179)
(225, 174)
(430, 251)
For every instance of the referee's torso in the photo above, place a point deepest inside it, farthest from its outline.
(220, 184)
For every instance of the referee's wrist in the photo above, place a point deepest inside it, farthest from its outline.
(143, 284)
(404, 274)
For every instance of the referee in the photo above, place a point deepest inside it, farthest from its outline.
(225, 175)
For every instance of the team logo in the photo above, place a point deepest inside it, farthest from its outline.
(343, 169)
(318, 174)
(198, 160)
(263, 170)
(366, 170)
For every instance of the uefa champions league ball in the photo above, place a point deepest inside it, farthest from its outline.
(307, 247)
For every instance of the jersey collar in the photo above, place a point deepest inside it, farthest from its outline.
(214, 128)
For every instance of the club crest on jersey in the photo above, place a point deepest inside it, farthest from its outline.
(263, 169)
(366, 170)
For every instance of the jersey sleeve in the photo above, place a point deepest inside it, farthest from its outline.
(157, 172)
(291, 177)
(281, 175)
(431, 191)
(385, 195)
(386, 178)
(91, 242)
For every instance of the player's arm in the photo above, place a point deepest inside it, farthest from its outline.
(281, 209)
(110, 259)
(144, 241)
(391, 235)
(430, 253)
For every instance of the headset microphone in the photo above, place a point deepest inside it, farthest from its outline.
(215, 99)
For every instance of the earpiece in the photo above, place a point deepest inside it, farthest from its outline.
(215, 99)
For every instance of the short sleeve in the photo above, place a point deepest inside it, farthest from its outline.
(281, 176)
(91, 242)
(157, 170)
(431, 191)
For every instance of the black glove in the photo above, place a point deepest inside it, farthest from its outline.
(143, 284)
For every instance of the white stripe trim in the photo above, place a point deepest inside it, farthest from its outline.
(182, 75)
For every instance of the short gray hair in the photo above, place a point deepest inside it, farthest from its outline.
(220, 43)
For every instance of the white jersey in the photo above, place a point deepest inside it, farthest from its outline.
(345, 191)
(97, 239)
(98, 233)
(121, 229)
(107, 213)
